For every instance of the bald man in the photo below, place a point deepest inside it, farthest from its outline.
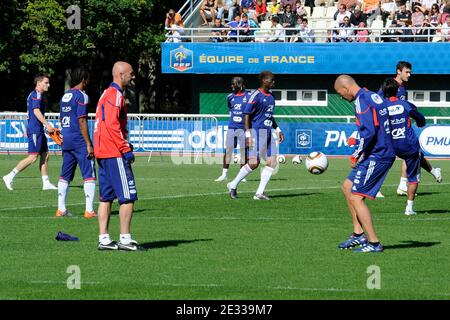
(371, 161)
(114, 157)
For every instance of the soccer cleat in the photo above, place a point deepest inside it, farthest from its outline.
(369, 248)
(353, 241)
(110, 246)
(66, 213)
(8, 182)
(379, 195)
(221, 178)
(437, 174)
(410, 212)
(402, 192)
(49, 186)
(60, 236)
(131, 246)
(260, 197)
(90, 215)
(232, 192)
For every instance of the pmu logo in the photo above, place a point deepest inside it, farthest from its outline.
(304, 138)
(436, 140)
(181, 59)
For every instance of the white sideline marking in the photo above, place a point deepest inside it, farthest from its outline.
(189, 195)
(61, 282)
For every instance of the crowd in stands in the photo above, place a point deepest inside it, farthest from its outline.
(287, 20)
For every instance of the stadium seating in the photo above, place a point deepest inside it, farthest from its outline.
(319, 12)
(330, 12)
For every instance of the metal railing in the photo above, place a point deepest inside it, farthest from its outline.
(319, 34)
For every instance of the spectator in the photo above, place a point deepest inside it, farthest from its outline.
(346, 31)
(244, 29)
(362, 35)
(406, 31)
(402, 15)
(304, 33)
(228, 6)
(274, 8)
(218, 32)
(251, 15)
(391, 34)
(434, 16)
(424, 34)
(234, 26)
(208, 10)
(300, 9)
(349, 4)
(278, 32)
(249, 4)
(172, 17)
(427, 4)
(261, 10)
(285, 3)
(288, 19)
(176, 32)
(417, 17)
(388, 9)
(357, 16)
(445, 30)
(341, 14)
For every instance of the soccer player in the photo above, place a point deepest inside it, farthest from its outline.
(77, 146)
(404, 140)
(114, 157)
(403, 70)
(370, 162)
(259, 121)
(236, 101)
(37, 141)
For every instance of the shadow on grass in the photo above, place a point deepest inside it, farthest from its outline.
(292, 195)
(432, 211)
(411, 244)
(169, 243)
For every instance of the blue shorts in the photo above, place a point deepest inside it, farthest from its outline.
(116, 180)
(264, 145)
(70, 160)
(413, 166)
(37, 143)
(368, 176)
(235, 137)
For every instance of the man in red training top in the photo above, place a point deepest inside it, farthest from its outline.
(114, 156)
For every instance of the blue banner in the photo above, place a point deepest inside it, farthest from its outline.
(204, 136)
(301, 58)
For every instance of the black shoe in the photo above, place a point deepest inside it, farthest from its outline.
(110, 246)
(232, 192)
(132, 246)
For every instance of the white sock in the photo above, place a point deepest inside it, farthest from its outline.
(265, 177)
(104, 238)
(245, 170)
(13, 173)
(224, 172)
(63, 187)
(409, 204)
(433, 172)
(125, 238)
(403, 183)
(89, 193)
(45, 179)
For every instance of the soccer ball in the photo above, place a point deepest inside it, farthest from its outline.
(281, 159)
(296, 160)
(237, 158)
(316, 162)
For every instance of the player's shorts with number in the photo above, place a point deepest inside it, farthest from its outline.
(413, 166)
(264, 144)
(368, 176)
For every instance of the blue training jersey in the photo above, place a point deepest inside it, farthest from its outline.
(260, 107)
(404, 139)
(236, 103)
(72, 107)
(373, 127)
(35, 100)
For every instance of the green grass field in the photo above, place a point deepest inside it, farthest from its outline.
(203, 245)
